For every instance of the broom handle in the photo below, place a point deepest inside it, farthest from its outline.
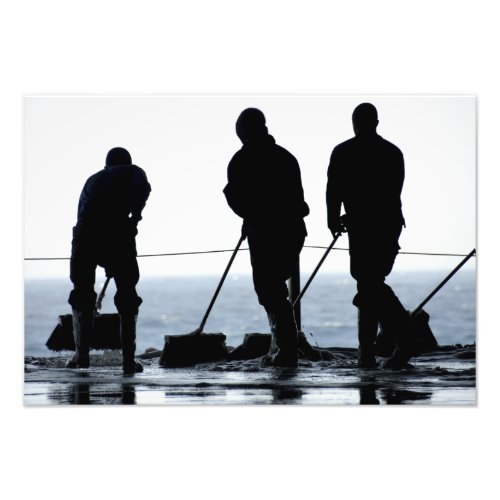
(429, 297)
(204, 320)
(320, 263)
(98, 303)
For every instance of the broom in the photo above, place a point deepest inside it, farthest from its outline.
(198, 347)
(425, 340)
(104, 335)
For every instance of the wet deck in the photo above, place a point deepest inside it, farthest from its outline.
(444, 377)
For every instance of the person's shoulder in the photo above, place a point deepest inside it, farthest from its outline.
(390, 146)
(237, 158)
(95, 177)
(345, 146)
(139, 177)
(131, 171)
(136, 169)
(284, 153)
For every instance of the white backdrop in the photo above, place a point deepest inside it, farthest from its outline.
(223, 47)
(185, 142)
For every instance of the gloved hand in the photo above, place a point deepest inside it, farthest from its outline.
(338, 226)
(133, 226)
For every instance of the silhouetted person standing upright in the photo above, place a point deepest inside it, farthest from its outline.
(265, 189)
(366, 175)
(109, 210)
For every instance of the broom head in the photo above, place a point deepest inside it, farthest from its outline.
(105, 334)
(191, 349)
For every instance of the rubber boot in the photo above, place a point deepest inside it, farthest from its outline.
(83, 322)
(127, 333)
(284, 339)
(266, 360)
(393, 317)
(405, 345)
(399, 359)
(367, 335)
(312, 353)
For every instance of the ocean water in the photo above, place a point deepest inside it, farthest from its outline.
(176, 305)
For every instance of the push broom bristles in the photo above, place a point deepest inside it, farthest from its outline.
(188, 350)
(197, 346)
(104, 335)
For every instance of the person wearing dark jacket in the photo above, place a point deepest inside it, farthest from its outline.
(109, 210)
(265, 189)
(366, 175)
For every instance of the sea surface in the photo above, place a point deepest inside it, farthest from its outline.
(176, 305)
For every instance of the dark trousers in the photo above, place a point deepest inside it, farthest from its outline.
(119, 260)
(373, 253)
(274, 254)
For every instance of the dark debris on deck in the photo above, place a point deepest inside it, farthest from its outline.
(445, 376)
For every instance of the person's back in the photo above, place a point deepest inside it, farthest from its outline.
(264, 184)
(370, 175)
(112, 198)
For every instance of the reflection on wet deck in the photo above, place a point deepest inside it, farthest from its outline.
(443, 378)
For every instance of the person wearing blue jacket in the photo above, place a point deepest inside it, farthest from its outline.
(109, 209)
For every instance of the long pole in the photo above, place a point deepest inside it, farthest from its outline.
(429, 297)
(214, 298)
(320, 263)
(98, 303)
(294, 292)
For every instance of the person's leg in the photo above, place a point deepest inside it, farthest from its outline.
(372, 259)
(274, 257)
(367, 335)
(394, 316)
(126, 275)
(378, 304)
(82, 300)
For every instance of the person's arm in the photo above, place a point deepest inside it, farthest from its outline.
(236, 192)
(401, 173)
(334, 193)
(400, 181)
(298, 195)
(141, 192)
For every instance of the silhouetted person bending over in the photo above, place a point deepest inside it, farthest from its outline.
(366, 175)
(265, 189)
(109, 210)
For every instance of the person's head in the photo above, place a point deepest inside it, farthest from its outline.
(250, 125)
(118, 156)
(364, 119)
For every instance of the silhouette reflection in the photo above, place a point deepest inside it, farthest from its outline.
(283, 394)
(401, 396)
(368, 395)
(391, 396)
(84, 393)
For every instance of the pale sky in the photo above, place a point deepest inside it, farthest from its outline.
(184, 144)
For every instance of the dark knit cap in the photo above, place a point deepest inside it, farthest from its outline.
(118, 156)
